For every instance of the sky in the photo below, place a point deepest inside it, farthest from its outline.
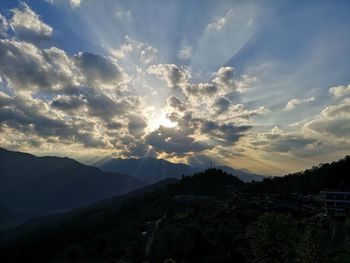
(261, 85)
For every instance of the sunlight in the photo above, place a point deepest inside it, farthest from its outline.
(160, 119)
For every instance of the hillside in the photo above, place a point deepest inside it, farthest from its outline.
(33, 186)
(192, 220)
(112, 230)
(335, 175)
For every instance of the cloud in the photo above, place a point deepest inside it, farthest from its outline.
(123, 14)
(185, 52)
(136, 126)
(175, 77)
(102, 102)
(173, 140)
(75, 3)
(135, 50)
(220, 22)
(3, 25)
(26, 67)
(332, 121)
(224, 78)
(221, 104)
(292, 104)
(27, 25)
(176, 104)
(68, 103)
(340, 91)
(100, 71)
(198, 90)
(280, 141)
(72, 3)
(105, 106)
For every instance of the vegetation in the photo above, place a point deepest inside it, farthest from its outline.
(194, 220)
(333, 175)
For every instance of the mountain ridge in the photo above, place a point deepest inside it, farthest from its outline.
(153, 170)
(34, 186)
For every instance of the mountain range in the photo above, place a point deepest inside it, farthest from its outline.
(152, 170)
(31, 186)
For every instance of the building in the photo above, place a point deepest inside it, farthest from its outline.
(336, 202)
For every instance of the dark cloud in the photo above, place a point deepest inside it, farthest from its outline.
(227, 133)
(104, 106)
(201, 89)
(280, 141)
(172, 140)
(175, 103)
(137, 126)
(114, 125)
(26, 67)
(67, 103)
(32, 117)
(221, 105)
(98, 70)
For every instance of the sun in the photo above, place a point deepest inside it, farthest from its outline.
(160, 119)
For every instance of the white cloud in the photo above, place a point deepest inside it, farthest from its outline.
(134, 51)
(122, 14)
(75, 3)
(292, 104)
(333, 121)
(3, 25)
(175, 77)
(185, 52)
(27, 25)
(340, 91)
(220, 22)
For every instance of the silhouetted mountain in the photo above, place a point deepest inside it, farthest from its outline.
(243, 175)
(108, 203)
(119, 230)
(153, 225)
(31, 185)
(335, 175)
(152, 170)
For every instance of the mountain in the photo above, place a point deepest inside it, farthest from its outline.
(243, 175)
(121, 230)
(105, 204)
(333, 176)
(196, 220)
(152, 170)
(32, 186)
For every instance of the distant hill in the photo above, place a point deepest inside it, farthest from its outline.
(117, 228)
(103, 205)
(334, 176)
(31, 186)
(243, 175)
(153, 225)
(152, 170)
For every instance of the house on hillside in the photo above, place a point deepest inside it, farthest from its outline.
(336, 202)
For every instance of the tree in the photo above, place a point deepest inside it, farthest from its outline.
(274, 238)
